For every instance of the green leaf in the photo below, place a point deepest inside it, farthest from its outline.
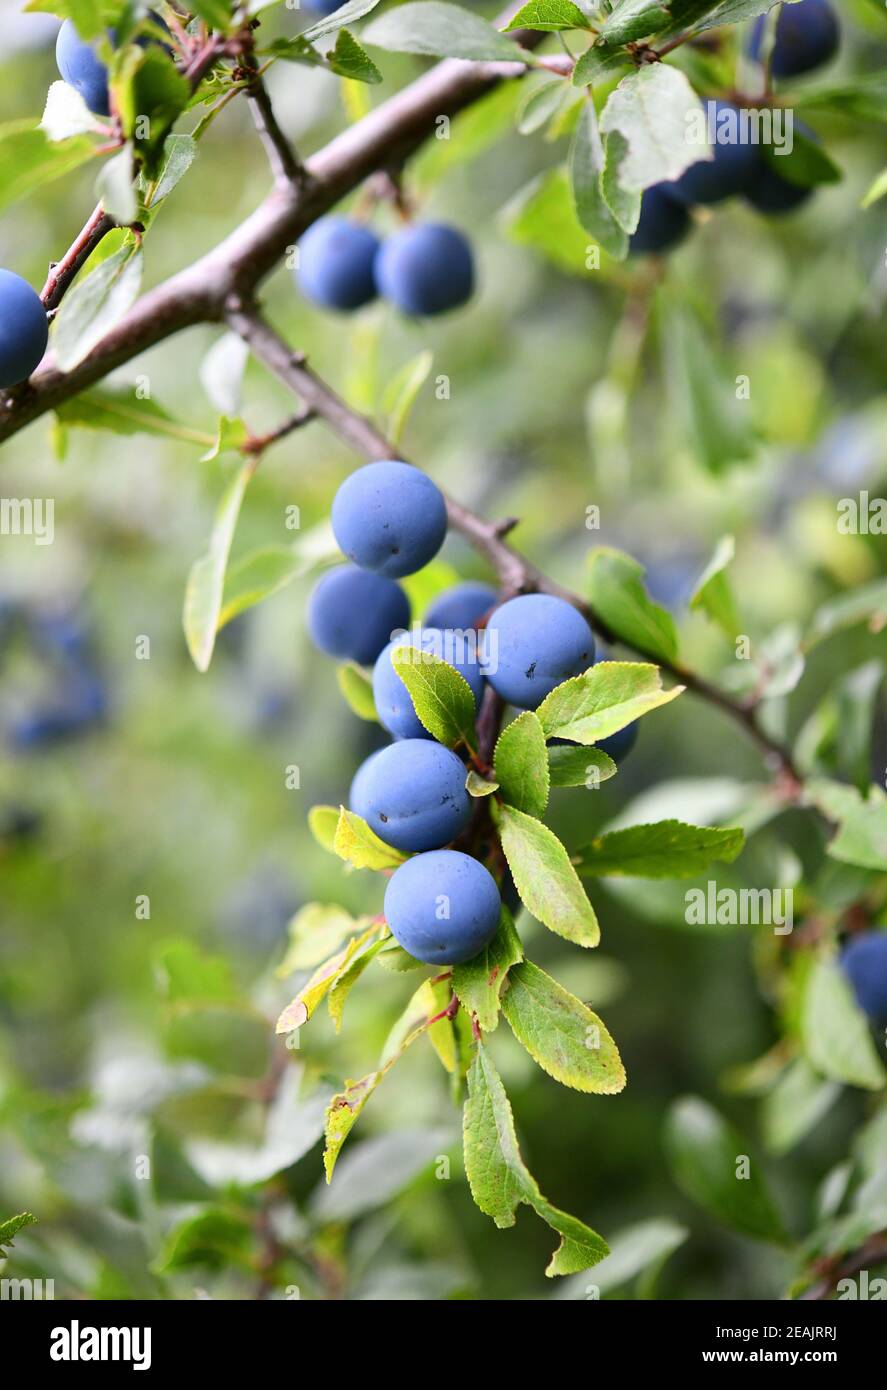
(561, 1033)
(357, 689)
(716, 423)
(520, 762)
(401, 392)
(668, 849)
(317, 931)
(543, 217)
(438, 30)
(472, 132)
(348, 59)
(323, 822)
(184, 971)
(206, 580)
(548, 16)
(96, 304)
(834, 1031)
(345, 1107)
(211, 1238)
(539, 105)
(598, 64)
(361, 847)
(261, 573)
(604, 699)
(866, 604)
(624, 204)
(499, 1178)
(125, 413)
(475, 785)
(478, 983)
(442, 698)
(579, 767)
(300, 1009)
(587, 162)
(653, 109)
(29, 159)
(796, 1103)
(545, 879)
(710, 1161)
(876, 190)
(348, 978)
(618, 595)
(179, 153)
(713, 594)
(231, 436)
(633, 19)
(862, 832)
(217, 13)
(90, 17)
(10, 1229)
(147, 83)
(114, 187)
(807, 165)
(640, 1249)
(346, 14)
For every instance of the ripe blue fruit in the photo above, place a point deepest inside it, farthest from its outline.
(663, 223)
(426, 269)
(336, 263)
(769, 192)
(24, 329)
(80, 66)
(390, 518)
(864, 962)
(442, 907)
(412, 794)
(79, 707)
(734, 162)
(393, 703)
(461, 607)
(352, 613)
(807, 35)
(533, 643)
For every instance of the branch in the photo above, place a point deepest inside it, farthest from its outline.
(62, 272)
(389, 134)
(516, 573)
(281, 156)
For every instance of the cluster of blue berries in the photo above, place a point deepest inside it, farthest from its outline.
(75, 701)
(425, 269)
(807, 35)
(390, 519)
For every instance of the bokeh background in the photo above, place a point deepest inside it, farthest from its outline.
(564, 392)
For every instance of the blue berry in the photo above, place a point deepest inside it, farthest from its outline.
(533, 643)
(864, 962)
(390, 518)
(336, 264)
(393, 704)
(426, 269)
(24, 330)
(443, 907)
(663, 223)
(353, 614)
(461, 607)
(412, 794)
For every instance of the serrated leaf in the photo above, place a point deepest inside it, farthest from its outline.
(360, 846)
(399, 961)
(520, 762)
(633, 19)
(348, 59)
(478, 982)
(323, 822)
(834, 1031)
(499, 1179)
(357, 689)
(206, 581)
(10, 1229)
(713, 594)
(604, 699)
(618, 595)
(300, 1009)
(179, 153)
(475, 785)
(96, 304)
(561, 1034)
(711, 1162)
(347, 979)
(316, 932)
(652, 109)
(548, 16)
(442, 698)
(579, 767)
(436, 29)
(668, 849)
(587, 163)
(401, 392)
(346, 14)
(597, 64)
(545, 879)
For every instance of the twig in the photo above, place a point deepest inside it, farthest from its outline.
(874, 1252)
(62, 272)
(285, 166)
(257, 443)
(516, 574)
